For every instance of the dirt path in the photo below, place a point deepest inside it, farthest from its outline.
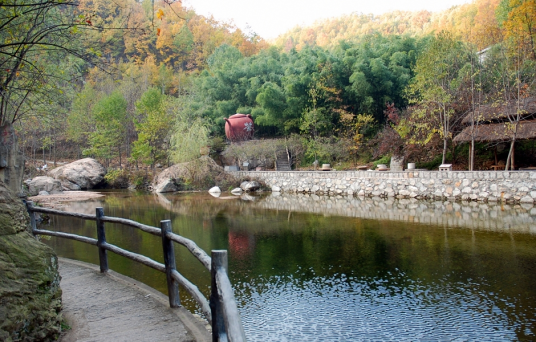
(112, 307)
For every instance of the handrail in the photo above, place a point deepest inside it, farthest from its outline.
(222, 312)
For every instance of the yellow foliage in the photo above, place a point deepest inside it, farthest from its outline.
(160, 14)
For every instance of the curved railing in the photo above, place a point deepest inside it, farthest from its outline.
(221, 310)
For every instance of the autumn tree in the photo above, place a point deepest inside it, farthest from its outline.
(518, 18)
(440, 73)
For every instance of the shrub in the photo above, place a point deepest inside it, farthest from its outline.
(117, 179)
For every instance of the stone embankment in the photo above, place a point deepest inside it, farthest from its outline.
(518, 218)
(492, 186)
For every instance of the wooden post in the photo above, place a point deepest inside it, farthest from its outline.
(101, 240)
(33, 223)
(219, 259)
(169, 260)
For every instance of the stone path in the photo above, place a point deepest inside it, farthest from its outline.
(112, 307)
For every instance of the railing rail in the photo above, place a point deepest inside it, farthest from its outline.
(222, 311)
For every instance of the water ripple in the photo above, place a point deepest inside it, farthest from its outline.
(340, 308)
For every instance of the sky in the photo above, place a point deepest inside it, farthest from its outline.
(274, 17)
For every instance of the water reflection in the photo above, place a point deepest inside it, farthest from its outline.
(308, 268)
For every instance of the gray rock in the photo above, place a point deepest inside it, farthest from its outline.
(29, 279)
(250, 186)
(79, 175)
(44, 193)
(397, 163)
(166, 186)
(526, 199)
(275, 188)
(44, 183)
(236, 191)
(214, 190)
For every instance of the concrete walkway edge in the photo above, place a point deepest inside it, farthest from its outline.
(195, 327)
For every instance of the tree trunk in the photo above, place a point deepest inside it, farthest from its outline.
(472, 155)
(11, 159)
(444, 151)
(510, 158)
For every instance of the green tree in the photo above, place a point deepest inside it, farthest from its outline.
(110, 118)
(189, 135)
(153, 129)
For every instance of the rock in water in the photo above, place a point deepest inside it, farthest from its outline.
(30, 295)
(236, 191)
(82, 174)
(44, 183)
(215, 190)
(250, 186)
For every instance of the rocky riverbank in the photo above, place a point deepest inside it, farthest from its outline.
(30, 296)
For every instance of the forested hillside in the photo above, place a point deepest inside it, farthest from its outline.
(475, 22)
(142, 84)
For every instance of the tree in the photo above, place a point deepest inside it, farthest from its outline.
(518, 18)
(110, 118)
(34, 35)
(153, 129)
(440, 72)
(511, 72)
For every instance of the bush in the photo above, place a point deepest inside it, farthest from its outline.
(117, 179)
(263, 152)
(327, 150)
(383, 160)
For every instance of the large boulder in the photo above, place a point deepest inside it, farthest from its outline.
(166, 185)
(82, 174)
(191, 175)
(44, 183)
(30, 295)
(249, 186)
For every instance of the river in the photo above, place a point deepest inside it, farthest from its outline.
(309, 268)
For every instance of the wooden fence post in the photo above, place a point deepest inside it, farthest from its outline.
(219, 259)
(33, 223)
(101, 240)
(169, 260)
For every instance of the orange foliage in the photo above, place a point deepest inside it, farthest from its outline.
(179, 38)
(474, 22)
(520, 26)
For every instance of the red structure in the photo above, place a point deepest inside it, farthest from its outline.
(239, 127)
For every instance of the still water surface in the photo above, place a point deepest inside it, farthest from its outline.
(307, 268)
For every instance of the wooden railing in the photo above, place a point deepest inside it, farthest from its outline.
(221, 310)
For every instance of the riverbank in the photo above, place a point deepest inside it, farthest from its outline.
(485, 186)
(56, 201)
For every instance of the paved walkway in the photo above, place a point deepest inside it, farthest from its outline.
(112, 307)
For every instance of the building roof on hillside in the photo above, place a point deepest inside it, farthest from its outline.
(497, 132)
(501, 111)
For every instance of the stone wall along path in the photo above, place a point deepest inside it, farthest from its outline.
(485, 186)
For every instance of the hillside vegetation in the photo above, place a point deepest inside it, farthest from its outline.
(140, 84)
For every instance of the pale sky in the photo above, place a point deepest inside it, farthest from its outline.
(270, 18)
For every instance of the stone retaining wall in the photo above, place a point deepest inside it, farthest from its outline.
(517, 218)
(492, 186)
